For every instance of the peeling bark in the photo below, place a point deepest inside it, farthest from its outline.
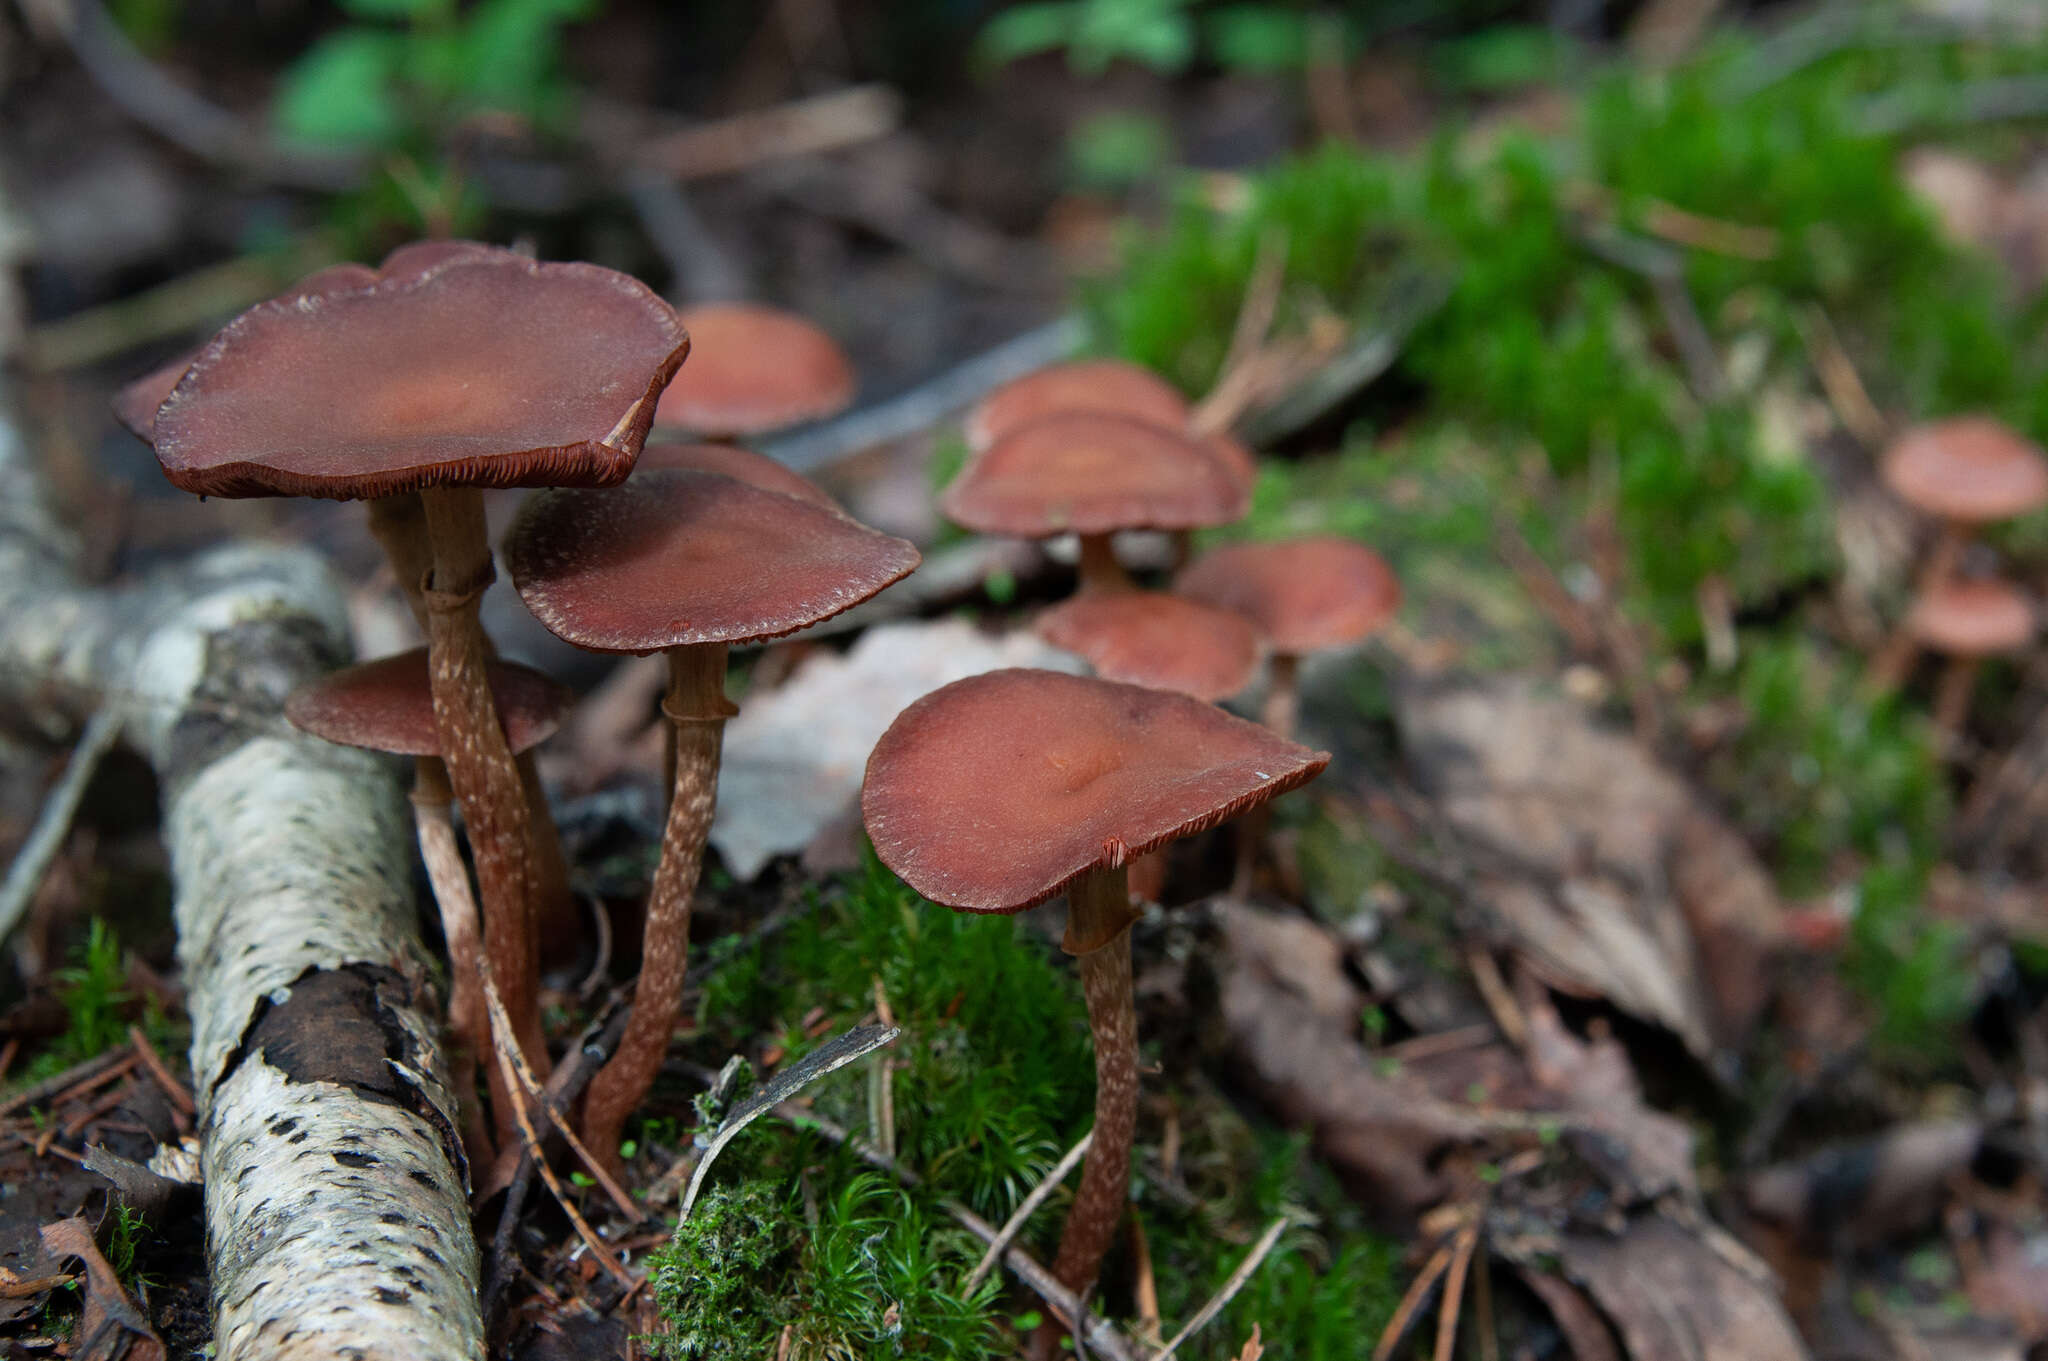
(337, 1223)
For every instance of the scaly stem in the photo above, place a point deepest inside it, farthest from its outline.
(399, 523)
(1099, 916)
(1100, 571)
(697, 709)
(1281, 714)
(432, 798)
(480, 765)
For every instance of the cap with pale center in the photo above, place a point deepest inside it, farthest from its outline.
(729, 460)
(1970, 468)
(676, 558)
(388, 705)
(467, 366)
(1158, 640)
(1083, 473)
(996, 792)
(1306, 594)
(754, 369)
(1104, 386)
(1980, 618)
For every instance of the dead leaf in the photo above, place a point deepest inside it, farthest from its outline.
(113, 1328)
(1584, 1330)
(1862, 1194)
(1253, 1349)
(1673, 1297)
(794, 758)
(1609, 875)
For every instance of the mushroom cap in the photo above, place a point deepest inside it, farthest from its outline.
(753, 369)
(388, 705)
(483, 369)
(1979, 618)
(1306, 594)
(675, 558)
(994, 793)
(1153, 639)
(1083, 473)
(135, 405)
(1970, 468)
(1106, 386)
(1236, 455)
(729, 460)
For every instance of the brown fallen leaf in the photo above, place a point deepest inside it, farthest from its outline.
(1584, 1330)
(1860, 1195)
(1253, 1349)
(1606, 872)
(113, 1328)
(1671, 1294)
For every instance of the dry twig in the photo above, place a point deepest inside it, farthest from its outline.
(1025, 1209)
(1250, 1264)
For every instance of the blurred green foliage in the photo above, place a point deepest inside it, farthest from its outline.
(406, 70)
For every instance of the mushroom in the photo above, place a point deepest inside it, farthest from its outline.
(1967, 621)
(1104, 386)
(754, 369)
(465, 367)
(995, 793)
(1092, 475)
(687, 563)
(730, 460)
(1304, 594)
(1965, 471)
(388, 705)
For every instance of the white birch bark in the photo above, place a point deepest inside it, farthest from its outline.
(337, 1219)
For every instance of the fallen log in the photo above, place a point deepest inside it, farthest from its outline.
(337, 1219)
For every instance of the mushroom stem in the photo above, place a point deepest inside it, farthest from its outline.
(480, 765)
(697, 710)
(1952, 695)
(1888, 669)
(1281, 714)
(399, 523)
(1099, 917)
(1099, 568)
(432, 797)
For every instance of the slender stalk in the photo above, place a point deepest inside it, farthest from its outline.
(480, 765)
(432, 800)
(1281, 715)
(1952, 697)
(1099, 917)
(1099, 568)
(399, 523)
(697, 710)
(1895, 659)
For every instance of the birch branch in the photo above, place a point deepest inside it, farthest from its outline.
(336, 1217)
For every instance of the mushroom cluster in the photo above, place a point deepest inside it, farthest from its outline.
(454, 367)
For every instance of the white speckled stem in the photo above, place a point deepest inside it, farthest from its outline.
(1098, 903)
(480, 763)
(697, 710)
(336, 1220)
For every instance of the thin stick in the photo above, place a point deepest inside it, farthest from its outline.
(501, 1044)
(1234, 387)
(174, 1089)
(1411, 1303)
(1454, 1292)
(824, 122)
(1223, 1297)
(104, 1067)
(1025, 1209)
(501, 1024)
(25, 875)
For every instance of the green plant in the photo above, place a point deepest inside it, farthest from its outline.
(95, 999)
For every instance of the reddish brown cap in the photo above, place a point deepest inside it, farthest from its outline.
(1970, 468)
(1979, 618)
(729, 460)
(1088, 474)
(486, 369)
(675, 558)
(1234, 454)
(135, 405)
(753, 369)
(995, 792)
(388, 705)
(1153, 639)
(1306, 594)
(1105, 386)
(415, 258)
